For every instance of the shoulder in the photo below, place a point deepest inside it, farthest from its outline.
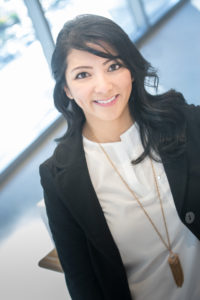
(192, 130)
(192, 110)
(55, 162)
(67, 155)
(47, 171)
(192, 115)
(50, 167)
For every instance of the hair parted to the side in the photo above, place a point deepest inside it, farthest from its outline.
(159, 117)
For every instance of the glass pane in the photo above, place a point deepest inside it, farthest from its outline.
(58, 12)
(26, 106)
(156, 8)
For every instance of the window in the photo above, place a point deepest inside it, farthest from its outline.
(26, 83)
(27, 108)
(58, 12)
(155, 9)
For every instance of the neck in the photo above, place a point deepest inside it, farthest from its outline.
(107, 131)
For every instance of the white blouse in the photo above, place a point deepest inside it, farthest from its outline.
(143, 253)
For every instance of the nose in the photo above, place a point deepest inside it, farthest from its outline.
(103, 84)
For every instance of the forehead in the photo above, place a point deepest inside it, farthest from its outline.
(81, 58)
(103, 47)
(76, 55)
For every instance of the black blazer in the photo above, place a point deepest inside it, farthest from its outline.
(88, 254)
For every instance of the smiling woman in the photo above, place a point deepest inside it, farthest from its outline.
(101, 88)
(123, 182)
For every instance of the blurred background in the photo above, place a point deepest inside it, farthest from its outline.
(167, 32)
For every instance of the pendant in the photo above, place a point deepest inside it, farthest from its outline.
(176, 269)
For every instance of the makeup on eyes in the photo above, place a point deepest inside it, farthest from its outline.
(114, 64)
(104, 63)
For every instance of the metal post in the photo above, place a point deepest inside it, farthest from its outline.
(137, 8)
(41, 27)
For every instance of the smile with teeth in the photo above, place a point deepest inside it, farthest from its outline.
(106, 101)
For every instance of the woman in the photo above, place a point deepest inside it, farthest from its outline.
(122, 187)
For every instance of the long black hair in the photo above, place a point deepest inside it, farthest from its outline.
(159, 117)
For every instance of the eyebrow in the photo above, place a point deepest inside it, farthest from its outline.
(80, 67)
(88, 67)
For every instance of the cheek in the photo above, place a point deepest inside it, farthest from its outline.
(125, 80)
(80, 100)
(126, 83)
(81, 95)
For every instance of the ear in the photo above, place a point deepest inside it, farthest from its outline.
(67, 92)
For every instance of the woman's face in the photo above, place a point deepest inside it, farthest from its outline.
(100, 86)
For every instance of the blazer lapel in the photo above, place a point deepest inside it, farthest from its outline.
(76, 190)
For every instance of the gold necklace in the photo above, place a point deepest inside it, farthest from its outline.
(173, 259)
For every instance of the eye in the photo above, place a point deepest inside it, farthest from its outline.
(114, 67)
(81, 75)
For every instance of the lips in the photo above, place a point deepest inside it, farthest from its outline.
(107, 102)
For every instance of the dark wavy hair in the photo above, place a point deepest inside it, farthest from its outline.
(160, 117)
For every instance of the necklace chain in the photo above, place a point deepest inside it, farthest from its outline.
(168, 244)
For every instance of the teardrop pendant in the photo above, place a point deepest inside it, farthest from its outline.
(176, 268)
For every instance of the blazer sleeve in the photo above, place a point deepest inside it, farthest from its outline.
(71, 244)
